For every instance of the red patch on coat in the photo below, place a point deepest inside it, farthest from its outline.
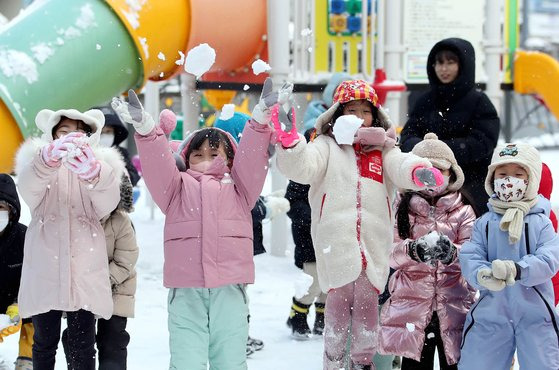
(370, 165)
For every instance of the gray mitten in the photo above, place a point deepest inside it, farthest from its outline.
(133, 113)
(261, 112)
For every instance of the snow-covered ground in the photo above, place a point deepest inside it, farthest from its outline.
(269, 306)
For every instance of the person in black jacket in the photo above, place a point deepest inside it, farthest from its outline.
(300, 215)
(460, 115)
(113, 134)
(12, 237)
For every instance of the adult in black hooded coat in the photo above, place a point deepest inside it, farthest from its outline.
(113, 134)
(461, 116)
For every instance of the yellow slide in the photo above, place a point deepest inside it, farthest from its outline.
(538, 73)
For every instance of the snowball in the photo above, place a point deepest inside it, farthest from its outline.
(302, 284)
(199, 60)
(180, 61)
(432, 238)
(430, 335)
(410, 327)
(260, 66)
(246, 87)
(161, 56)
(345, 128)
(227, 112)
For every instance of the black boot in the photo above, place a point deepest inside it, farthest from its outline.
(297, 320)
(318, 327)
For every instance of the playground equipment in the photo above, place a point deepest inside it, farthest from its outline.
(89, 51)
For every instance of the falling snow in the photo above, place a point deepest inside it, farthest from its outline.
(161, 56)
(227, 112)
(180, 61)
(260, 66)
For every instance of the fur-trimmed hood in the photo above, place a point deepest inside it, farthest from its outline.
(47, 119)
(31, 147)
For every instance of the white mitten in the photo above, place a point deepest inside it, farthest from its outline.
(486, 279)
(504, 270)
(275, 205)
(133, 113)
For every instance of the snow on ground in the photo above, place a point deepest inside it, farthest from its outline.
(270, 300)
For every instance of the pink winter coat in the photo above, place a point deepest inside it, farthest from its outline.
(208, 224)
(417, 289)
(65, 265)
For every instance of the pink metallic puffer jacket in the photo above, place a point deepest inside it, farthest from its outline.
(417, 289)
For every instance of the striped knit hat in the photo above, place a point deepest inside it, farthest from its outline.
(355, 90)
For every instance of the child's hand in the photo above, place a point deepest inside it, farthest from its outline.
(282, 120)
(486, 279)
(57, 149)
(261, 112)
(85, 165)
(504, 270)
(427, 177)
(133, 113)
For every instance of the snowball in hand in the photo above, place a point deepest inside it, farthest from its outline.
(345, 128)
(227, 112)
(302, 284)
(199, 60)
(260, 66)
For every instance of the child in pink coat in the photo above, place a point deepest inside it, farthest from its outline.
(69, 184)
(208, 229)
(429, 297)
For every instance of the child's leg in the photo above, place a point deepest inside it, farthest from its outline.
(537, 344)
(487, 344)
(439, 343)
(188, 328)
(228, 311)
(314, 290)
(81, 339)
(364, 321)
(337, 319)
(45, 339)
(112, 340)
(26, 339)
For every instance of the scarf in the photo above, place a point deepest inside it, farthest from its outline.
(513, 215)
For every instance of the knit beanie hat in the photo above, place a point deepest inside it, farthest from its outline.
(355, 90)
(522, 154)
(441, 156)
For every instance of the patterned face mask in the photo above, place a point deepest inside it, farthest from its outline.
(510, 188)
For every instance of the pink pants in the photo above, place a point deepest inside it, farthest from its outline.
(352, 307)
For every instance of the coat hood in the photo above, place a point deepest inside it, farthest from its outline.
(8, 193)
(180, 155)
(335, 81)
(465, 80)
(546, 182)
(326, 117)
(46, 119)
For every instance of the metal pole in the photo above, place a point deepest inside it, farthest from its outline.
(278, 47)
(393, 54)
(190, 103)
(493, 46)
(151, 105)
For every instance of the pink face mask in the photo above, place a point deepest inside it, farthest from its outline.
(201, 167)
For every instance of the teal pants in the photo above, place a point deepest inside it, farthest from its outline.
(208, 325)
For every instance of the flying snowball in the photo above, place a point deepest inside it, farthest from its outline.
(227, 112)
(259, 66)
(199, 60)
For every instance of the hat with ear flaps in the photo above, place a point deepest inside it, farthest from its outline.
(522, 154)
(47, 119)
(441, 156)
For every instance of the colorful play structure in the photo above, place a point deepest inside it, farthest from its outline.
(81, 53)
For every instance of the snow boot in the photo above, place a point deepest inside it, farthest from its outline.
(255, 344)
(318, 327)
(297, 321)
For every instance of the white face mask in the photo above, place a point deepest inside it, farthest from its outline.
(4, 219)
(107, 140)
(510, 188)
(437, 190)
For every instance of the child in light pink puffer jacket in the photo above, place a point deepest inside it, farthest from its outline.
(429, 297)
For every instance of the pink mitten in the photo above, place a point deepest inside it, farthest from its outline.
(167, 121)
(286, 138)
(429, 177)
(374, 136)
(53, 153)
(85, 165)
